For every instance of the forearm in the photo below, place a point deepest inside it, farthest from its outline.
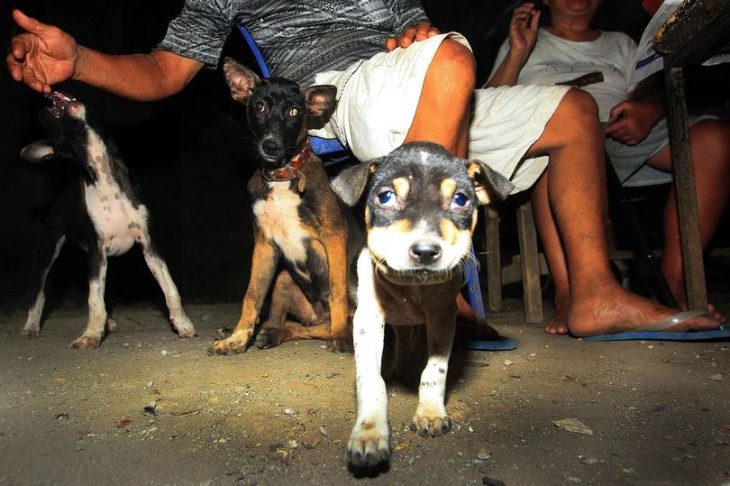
(508, 71)
(651, 92)
(143, 77)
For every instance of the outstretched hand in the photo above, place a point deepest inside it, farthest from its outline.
(414, 33)
(41, 56)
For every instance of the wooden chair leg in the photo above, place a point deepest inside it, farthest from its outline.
(527, 236)
(493, 259)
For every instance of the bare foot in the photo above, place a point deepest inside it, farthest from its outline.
(611, 309)
(713, 311)
(558, 323)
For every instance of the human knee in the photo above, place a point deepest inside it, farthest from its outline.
(575, 121)
(711, 140)
(454, 62)
(581, 107)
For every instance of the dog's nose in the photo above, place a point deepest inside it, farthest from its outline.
(271, 148)
(425, 253)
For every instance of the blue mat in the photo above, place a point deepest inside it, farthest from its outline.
(500, 343)
(720, 334)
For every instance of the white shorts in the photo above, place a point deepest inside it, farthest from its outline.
(630, 160)
(377, 100)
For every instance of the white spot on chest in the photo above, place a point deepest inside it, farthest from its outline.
(279, 221)
(118, 224)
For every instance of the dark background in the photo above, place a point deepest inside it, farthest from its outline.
(189, 152)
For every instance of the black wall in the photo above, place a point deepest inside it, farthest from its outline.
(189, 152)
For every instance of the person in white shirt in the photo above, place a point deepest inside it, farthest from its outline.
(637, 140)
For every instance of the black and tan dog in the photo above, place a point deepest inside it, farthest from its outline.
(301, 229)
(420, 213)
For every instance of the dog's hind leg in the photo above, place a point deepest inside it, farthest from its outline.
(286, 299)
(91, 338)
(158, 267)
(42, 266)
(408, 354)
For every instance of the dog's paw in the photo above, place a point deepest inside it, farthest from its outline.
(111, 325)
(269, 338)
(85, 342)
(431, 425)
(369, 444)
(339, 345)
(183, 326)
(235, 344)
(30, 333)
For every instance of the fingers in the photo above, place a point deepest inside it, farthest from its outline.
(425, 31)
(29, 23)
(535, 20)
(617, 112)
(411, 34)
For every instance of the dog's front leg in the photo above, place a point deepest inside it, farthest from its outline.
(431, 419)
(159, 269)
(91, 338)
(263, 266)
(369, 443)
(337, 265)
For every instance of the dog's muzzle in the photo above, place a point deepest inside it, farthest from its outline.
(58, 102)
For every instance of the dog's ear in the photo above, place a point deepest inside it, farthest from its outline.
(321, 103)
(38, 151)
(488, 184)
(240, 79)
(351, 182)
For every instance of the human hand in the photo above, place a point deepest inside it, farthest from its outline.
(414, 33)
(523, 29)
(42, 56)
(631, 121)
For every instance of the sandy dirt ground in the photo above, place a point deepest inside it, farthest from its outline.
(151, 408)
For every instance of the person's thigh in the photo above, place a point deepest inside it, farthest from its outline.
(506, 122)
(377, 98)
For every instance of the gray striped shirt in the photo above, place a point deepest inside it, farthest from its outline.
(297, 38)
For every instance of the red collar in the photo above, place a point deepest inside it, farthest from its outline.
(292, 170)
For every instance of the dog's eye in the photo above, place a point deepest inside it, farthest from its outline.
(259, 106)
(294, 112)
(386, 198)
(461, 200)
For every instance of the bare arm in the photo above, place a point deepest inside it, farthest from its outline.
(44, 55)
(143, 77)
(522, 37)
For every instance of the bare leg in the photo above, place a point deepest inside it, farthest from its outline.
(553, 250)
(711, 159)
(576, 186)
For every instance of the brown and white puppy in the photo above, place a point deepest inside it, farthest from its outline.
(301, 229)
(420, 212)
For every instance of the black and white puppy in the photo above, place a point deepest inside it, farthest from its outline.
(101, 213)
(420, 212)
